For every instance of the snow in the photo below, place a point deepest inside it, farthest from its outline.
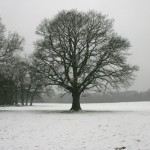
(107, 126)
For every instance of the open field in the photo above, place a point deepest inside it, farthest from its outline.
(98, 127)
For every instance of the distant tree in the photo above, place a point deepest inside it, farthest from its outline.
(9, 45)
(80, 51)
(31, 82)
(19, 79)
(2, 38)
(37, 82)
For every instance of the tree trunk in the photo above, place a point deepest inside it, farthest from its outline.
(75, 101)
(28, 92)
(32, 97)
(11, 97)
(22, 94)
(16, 96)
(22, 98)
(33, 94)
(27, 97)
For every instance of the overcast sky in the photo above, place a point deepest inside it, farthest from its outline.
(132, 21)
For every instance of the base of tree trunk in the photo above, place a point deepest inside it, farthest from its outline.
(75, 109)
(71, 110)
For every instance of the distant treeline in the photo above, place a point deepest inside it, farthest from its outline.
(127, 96)
(19, 80)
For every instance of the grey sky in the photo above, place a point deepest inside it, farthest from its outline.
(132, 20)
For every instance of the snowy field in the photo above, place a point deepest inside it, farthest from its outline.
(114, 126)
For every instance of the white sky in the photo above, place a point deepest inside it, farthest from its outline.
(132, 21)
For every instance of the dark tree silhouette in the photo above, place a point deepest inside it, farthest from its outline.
(80, 51)
(10, 45)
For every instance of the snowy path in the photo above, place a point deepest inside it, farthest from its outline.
(99, 127)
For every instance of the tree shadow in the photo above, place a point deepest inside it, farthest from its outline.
(66, 111)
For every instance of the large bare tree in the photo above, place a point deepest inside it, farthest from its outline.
(80, 51)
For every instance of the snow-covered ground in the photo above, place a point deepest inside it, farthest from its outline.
(98, 127)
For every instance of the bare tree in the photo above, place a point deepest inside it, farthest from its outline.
(9, 45)
(80, 51)
(31, 81)
(2, 37)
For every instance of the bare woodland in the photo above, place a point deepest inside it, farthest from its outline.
(76, 51)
